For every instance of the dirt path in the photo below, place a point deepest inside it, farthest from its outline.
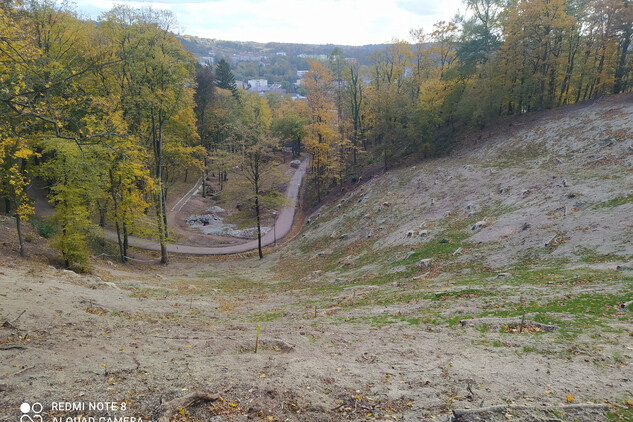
(283, 225)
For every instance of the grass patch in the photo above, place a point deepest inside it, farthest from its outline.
(591, 256)
(382, 320)
(460, 294)
(623, 413)
(268, 316)
(587, 309)
(617, 201)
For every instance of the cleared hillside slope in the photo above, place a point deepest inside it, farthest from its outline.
(555, 187)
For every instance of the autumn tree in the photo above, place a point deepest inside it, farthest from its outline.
(47, 55)
(15, 156)
(128, 183)
(204, 98)
(156, 76)
(71, 174)
(321, 134)
(290, 124)
(388, 102)
(254, 156)
(354, 103)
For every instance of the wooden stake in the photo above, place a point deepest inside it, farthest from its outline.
(257, 339)
(522, 317)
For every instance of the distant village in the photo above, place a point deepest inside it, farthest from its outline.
(262, 86)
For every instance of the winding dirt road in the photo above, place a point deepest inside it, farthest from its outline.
(283, 225)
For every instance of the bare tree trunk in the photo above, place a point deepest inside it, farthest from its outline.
(125, 242)
(159, 198)
(102, 213)
(116, 217)
(18, 223)
(384, 153)
(119, 242)
(618, 85)
(161, 229)
(164, 202)
(204, 179)
(259, 228)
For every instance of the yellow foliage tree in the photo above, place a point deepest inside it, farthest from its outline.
(321, 134)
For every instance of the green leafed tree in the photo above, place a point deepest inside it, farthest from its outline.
(255, 158)
(73, 176)
(224, 76)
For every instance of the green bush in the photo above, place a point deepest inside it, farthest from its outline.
(43, 228)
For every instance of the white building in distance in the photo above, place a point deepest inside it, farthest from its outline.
(258, 85)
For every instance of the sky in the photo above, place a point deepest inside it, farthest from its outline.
(345, 22)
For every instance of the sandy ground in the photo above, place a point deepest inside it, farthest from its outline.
(142, 337)
(79, 339)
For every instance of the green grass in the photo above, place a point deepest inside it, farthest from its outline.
(466, 293)
(617, 201)
(558, 276)
(382, 320)
(268, 317)
(591, 256)
(622, 413)
(588, 310)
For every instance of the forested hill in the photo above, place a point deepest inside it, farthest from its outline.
(201, 47)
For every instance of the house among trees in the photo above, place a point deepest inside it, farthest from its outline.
(258, 85)
(247, 57)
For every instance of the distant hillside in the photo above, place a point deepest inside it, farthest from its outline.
(223, 48)
(275, 62)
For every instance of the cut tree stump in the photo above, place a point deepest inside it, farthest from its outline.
(170, 408)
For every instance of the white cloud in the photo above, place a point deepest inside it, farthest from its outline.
(419, 7)
(353, 22)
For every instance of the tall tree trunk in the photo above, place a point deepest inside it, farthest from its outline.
(161, 229)
(125, 242)
(64, 253)
(157, 134)
(204, 179)
(583, 66)
(164, 202)
(119, 241)
(18, 223)
(384, 155)
(257, 214)
(102, 213)
(116, 216)
(618, 85)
